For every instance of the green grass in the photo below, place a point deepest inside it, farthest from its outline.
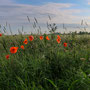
(45, 65)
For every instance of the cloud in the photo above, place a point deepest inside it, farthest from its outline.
(88, 2)
(5, 2)
(16, 14)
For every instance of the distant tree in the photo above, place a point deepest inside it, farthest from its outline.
(82, 32)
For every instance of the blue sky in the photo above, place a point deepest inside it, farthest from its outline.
(15, 13)
(39, 2)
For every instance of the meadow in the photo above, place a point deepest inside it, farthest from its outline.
(45, 62)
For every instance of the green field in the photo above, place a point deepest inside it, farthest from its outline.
(45, 64)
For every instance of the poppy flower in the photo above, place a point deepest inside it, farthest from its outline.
(41, 37)
(13, 49)
(22, 47)
(58, 37)
(58, 40)
(25, 41)
(31, 38)
(47, 38)
(7, 56)
(0, 34)
(65, 44)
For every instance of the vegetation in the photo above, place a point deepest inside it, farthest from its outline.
(45, 61)
(45, 64)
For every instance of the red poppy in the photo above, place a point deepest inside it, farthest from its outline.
(7, 56)
(13, 49)
(65, 44)
(58, 37)
(22, 47)
(25, 41)
(41, 37)
(47, 38)
(0, 34)
(58, 40)
(31, 38)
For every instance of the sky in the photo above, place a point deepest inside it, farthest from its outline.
(13, 14)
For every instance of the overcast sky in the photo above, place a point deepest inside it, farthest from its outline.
(69, 12)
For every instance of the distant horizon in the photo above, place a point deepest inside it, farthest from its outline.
(67, 28)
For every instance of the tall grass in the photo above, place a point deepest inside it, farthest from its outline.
(45, 65)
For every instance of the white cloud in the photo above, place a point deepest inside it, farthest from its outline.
(5, 2)
(16, 14)
(88, 2)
